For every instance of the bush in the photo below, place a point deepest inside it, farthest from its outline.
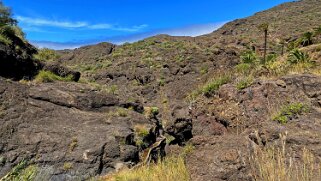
(47, 76)
(21, 172)
(290, 111)
(297, 56)
(249, 57)
(306, 39)
(46, 54)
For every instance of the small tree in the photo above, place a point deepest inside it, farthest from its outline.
(264, 27)
(6, 16)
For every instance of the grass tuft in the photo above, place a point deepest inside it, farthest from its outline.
(170, 169)
(244, 83)
(47, 76)
(280, 164)
(21, 172)
(290, 111)
(215, 84)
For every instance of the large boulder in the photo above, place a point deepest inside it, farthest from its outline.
(18, 64)
(61, 71)
(70, 131)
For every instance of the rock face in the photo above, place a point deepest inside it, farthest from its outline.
(18, 65)
(242, 121)
(71, 131)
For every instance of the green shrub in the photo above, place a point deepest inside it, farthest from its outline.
(215, 84)
(271, 57)
(46, 54)
(289, 111)
(306, 39)
(21, 172)
(47, 76)
(249, 57)
(297, 56)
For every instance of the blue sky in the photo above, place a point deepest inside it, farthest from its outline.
(63, 24)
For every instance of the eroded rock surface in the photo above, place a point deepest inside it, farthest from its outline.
(71, 130)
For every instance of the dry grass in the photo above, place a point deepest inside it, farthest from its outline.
(170, 169)
(279, 164)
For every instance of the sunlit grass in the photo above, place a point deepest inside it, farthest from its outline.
(170, 169)
(279, 164)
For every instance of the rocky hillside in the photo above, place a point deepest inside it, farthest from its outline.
(136, 102)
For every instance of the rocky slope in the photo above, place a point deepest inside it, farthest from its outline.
(100, 125)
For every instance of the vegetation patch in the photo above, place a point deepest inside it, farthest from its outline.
(296, 56)
(245, 82)
(47, 76)
(249, 57)
(141, 132)
(290, 111)
(46, 54)
(67, 166)
(215, 84)
(278, 163)
(73, 144)
(171, 168)
(151, 112)
(243, 68)
(21, 172)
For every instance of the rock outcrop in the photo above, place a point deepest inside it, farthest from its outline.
(71, 131)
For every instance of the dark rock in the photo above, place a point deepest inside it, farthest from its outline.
(181, 130)
(54, 124)
(17, 67)
(61, 71)
(129, 153)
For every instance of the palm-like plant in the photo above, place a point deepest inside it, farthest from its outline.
(297, 56)
(264, 28)
(248, 57)
(306, 39)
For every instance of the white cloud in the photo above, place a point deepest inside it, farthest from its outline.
(38, 22)
(132, 29)
(52, 23)
(100, 26)
(56, 45)
(193, 30)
